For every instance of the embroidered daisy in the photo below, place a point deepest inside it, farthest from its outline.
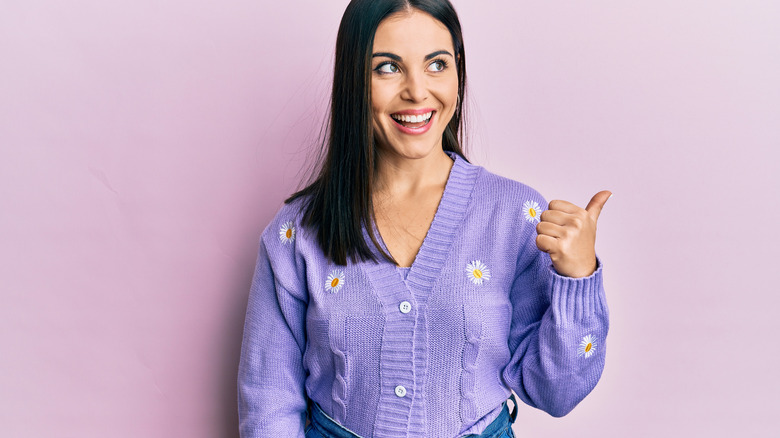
(287, 232)
(335, 281)
(531, 211)
(587, 346)
(477, 272)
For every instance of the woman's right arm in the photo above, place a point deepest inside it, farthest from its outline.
(271, 395)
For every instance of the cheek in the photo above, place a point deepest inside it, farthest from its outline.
(376, 115)
(448, 92)
(377, 108)
(378, 121)
(449, 99)
(380, 124)
(381, 97)
(454, 91)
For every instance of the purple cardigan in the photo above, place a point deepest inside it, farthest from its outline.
(481, 313)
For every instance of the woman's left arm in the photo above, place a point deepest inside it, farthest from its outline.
(560, 317)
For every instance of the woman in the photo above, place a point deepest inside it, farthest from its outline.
(407, 292)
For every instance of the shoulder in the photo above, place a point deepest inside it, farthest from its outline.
(505, 212)
(495, 191)
(285, 243)
(285, 226)
(287, 214)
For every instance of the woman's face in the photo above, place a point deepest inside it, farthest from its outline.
(414, 84)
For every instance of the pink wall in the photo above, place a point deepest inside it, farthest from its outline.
(145, 145)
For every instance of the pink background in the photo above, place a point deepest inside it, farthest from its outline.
(145, 145)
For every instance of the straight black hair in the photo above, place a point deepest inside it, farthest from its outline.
(338, 203)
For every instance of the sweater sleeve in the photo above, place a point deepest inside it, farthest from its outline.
(271, 395)
(558, 332)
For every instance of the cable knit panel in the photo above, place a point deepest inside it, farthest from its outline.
(320, 359)
(468, 376)
(339, 392)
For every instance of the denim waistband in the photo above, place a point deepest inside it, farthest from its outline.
(327, 426)
(331, 429)
(499, 425)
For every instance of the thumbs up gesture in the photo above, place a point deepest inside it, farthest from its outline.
(568, 234)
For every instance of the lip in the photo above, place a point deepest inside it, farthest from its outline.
(415, 131)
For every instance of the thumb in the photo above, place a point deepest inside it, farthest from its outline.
(597, 203)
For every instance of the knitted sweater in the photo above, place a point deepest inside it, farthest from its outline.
(481, 312)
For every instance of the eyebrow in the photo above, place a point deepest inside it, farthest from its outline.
(395, 57)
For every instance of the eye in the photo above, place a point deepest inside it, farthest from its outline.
(438, 65)
(387, 68)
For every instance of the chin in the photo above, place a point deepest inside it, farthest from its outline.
(413, 151)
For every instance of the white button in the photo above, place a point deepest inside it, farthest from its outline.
(400, 391)
(405, 308)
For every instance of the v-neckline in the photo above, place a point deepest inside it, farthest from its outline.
(434, 249)
(381, 240)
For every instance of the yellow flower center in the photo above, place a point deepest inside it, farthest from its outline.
(288, 233)
(588, 347)
(532, 212)
(477, 273)
(334, 283)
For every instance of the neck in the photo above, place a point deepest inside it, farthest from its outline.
(402, 176)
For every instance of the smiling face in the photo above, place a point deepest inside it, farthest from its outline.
(414, 84)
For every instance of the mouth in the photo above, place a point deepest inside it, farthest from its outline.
(413, 124)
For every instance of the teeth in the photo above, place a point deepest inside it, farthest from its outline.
(412, 119)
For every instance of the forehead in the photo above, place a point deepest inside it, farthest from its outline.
(412, 32)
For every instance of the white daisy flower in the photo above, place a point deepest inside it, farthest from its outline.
(335, 281)
(532, 211)
(587, 346)
(287, 233)
(477, 272)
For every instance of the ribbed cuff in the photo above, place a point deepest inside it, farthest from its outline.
(577, 299)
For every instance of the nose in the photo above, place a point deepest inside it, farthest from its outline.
(415, 87)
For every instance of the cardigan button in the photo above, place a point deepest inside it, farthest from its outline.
(400, 391)
(405, 307)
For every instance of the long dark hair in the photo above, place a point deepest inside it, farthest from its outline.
(339, 201)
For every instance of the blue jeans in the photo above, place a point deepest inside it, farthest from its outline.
(322, 426)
